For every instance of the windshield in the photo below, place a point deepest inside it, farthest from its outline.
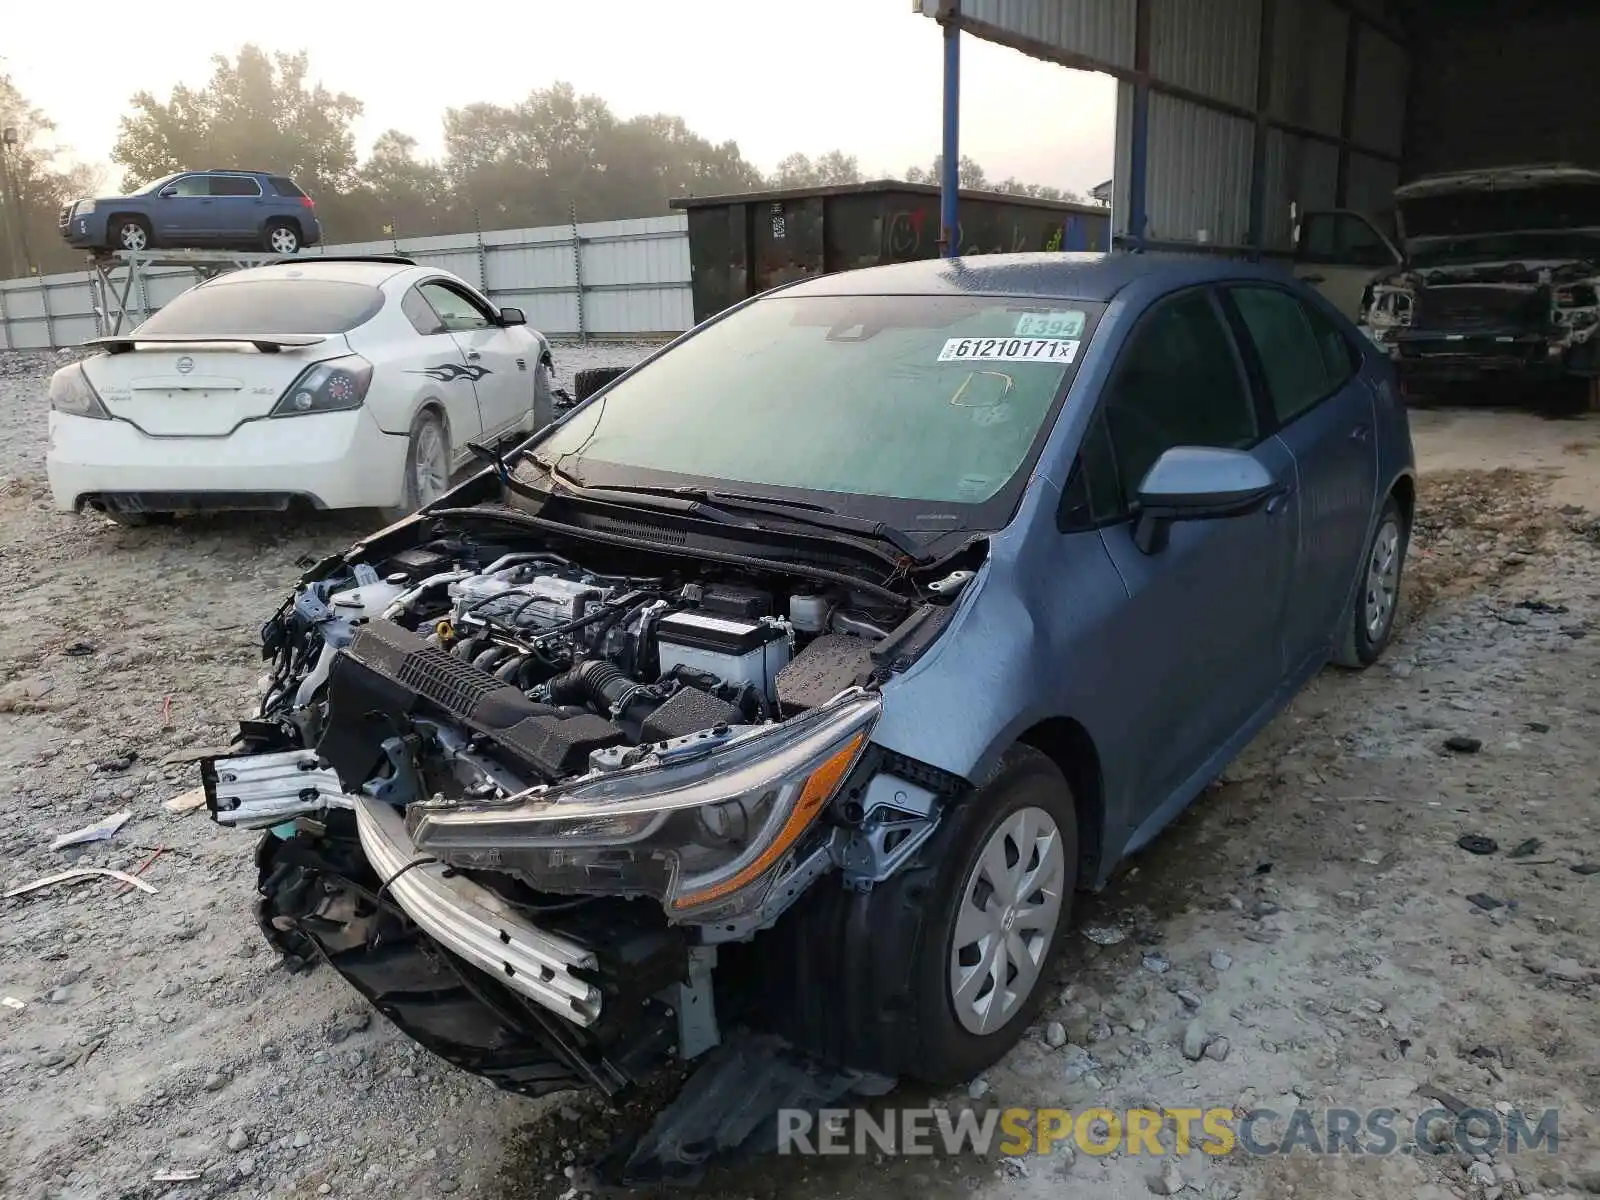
(1505, 247)
(146, 188)
(933, 404)
(266, 307)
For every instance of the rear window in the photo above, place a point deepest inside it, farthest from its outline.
(267, 306)
(284, 186)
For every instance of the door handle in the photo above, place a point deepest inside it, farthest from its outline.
(473, 356)
(1359, 433)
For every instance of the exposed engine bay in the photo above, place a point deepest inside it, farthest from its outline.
(554, 813)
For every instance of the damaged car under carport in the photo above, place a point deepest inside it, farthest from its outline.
(766, 712)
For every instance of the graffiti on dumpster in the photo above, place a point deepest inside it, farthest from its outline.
(909, 229)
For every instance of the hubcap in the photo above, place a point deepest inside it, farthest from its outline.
(133, 237)
(432, 468)
(1383, 578)
(1010, 904)
(284, 241)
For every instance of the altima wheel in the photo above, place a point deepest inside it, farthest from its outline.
(1006, 921)
(427, 467)
(1378, 592)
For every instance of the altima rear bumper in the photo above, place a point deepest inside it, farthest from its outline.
(331, 460)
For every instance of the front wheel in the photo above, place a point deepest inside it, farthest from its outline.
(1371, 621)
(131, 233)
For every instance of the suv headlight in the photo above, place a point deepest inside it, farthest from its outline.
(706, 837)
(332, 386)
(72, 393)
(83, 208)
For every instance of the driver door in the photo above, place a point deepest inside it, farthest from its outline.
(1341, 254)
(1201, 633)
(503, 383)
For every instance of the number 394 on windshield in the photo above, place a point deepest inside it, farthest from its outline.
(1052, 350)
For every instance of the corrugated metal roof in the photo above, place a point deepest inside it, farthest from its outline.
(1081, 33)
(1207, 46)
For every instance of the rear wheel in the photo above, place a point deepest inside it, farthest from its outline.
(131, 233)
(281, 237)
(427, 469)
(1378, 597)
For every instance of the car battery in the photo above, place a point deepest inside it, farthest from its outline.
(735, 650)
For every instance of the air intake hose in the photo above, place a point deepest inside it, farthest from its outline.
(596, 682)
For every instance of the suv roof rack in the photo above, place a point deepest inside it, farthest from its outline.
(398, 260)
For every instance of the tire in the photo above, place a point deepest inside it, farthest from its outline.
(281, 237)
(1365, 637)
(587, 383)
(428, 439)
(131, 233)
(865, 980)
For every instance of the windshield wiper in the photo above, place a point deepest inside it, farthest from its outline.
(691, 502)
(808, 512)
(716, 504)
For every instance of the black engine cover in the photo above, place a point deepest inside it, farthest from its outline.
(387, 671)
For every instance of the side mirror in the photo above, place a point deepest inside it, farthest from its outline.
(1197, 483)
(561, 400)
(512, 316)
(168, 192)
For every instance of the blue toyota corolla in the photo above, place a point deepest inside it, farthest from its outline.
(790, 685)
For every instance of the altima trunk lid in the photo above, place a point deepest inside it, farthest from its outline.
(201, 388)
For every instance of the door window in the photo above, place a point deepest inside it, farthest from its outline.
(1178, 383)
(234, 185)
(192, 185)
(459, 314)
(1344, 239)
(420, 313)
(1291, 357)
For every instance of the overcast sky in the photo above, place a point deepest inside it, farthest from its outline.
(775, 75)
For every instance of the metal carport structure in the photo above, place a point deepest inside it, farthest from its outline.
(1234, 114)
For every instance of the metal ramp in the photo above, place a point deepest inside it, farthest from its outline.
(121, 280)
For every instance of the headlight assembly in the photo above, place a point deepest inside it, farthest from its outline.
(706, 837)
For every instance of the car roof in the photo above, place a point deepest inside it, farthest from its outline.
(1085, 277)
(374, 274)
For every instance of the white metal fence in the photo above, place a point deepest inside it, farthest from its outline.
(603, 279)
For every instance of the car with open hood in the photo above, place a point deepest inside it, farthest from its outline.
(767, 711)
(1494, 276)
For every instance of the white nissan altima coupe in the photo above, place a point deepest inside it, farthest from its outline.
(336, 383)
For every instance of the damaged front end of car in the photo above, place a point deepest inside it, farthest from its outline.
(544, 807)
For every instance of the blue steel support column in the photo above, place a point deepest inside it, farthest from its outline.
(1139, 132)
(950, 181)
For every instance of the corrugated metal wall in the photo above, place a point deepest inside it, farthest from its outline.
(604, 279)
(1226, 156)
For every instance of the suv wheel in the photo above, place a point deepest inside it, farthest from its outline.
(131, 233)
(281, 237)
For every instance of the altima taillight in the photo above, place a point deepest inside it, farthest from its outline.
(333, 386)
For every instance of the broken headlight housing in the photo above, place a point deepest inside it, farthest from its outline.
(706, 835)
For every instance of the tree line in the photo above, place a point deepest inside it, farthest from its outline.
(554, 155)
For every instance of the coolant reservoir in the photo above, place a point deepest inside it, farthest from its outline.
(368, 600)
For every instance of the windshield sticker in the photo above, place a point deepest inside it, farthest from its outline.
(1052, 350)
(1067, 324)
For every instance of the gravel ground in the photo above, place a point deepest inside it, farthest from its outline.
(1312, 923)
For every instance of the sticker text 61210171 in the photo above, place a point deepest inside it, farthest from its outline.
(1046, 350)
